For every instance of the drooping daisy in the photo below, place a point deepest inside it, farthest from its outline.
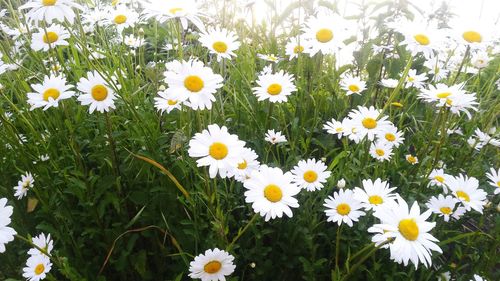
(220, 42)
(466, 189)
(275, 137)
(50, 10)
(216, 148)
(445, 207)
(213, 265)
(96, 92)
(325, 33)
(390, 135)
(480, 59)
(37, 268)
(454, 97)
(420, 37)
(248, 164)
(462, 102)
(274, 86)
(310, 174)
(134, 42)
(494, 177)
(334, 127)
(415, 80)
(352, 85)
(192, 83)
(42, 241)
(381, 151)
(6, 233)
(48, 94)
(295, 47)
(165, 102)
(368, 121)
(411, 159)
(122, 17)
(269, 57)
(26, 182)
(271, 192)
(342, 207)
(439, 178)
(50, 37)
(375, 194)
(409, 229)
(184, 10)
(389, 83)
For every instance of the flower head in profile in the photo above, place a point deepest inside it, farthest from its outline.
(6, 233)
(271, 192)
(184, 10)
(213, 265)
(26, 182)
(494, 177)
(41, 241)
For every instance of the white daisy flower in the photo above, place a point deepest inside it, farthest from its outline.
(473, 33)
(445, 207)
(26, 182)
(334, 127)
(269, 57)
(466, 190)
(50, 10)
(325, 33)
(213, 265)
(274, 86)
(134, 42)
(50, 37)
(415, 80)
(184, 10)
(382, 151)
(420, 38)
(42, 241)
(352, 85)
(389, 83)
(48, 94)
(122, 17)
(37, 268)
(96, 92)
(220, 42)
(484, 139)
(244, 169)
(453, 97)
(375, 194)
(477, 278)
(192, 83)
(368, 121)
(6, 233)
(409, 229)
(275, 137)
(480, 59)
(295, 47)
(310, 174)
(438, 177)
(390, 135)
(494, 177)
(271, 192)
(165, 102)
(342, 207)
(411, 159)
(217, 149)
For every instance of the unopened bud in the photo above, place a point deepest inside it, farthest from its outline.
(341, 183)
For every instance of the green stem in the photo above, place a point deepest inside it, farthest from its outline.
(337, 246)
(360, 262)
(240, 233)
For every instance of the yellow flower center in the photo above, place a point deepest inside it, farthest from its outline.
(171, 102)
(463, 196)
(49, 2)
(298, 49)
(243, 165)
(39, 269)
(212, 267)
(273, 193)
(120, 19)
(310, 176)
(218, 150)
(50, 37)
(193, 83)
(175, 10)
(274, 89)
(422, 39)
(409, 229)
(324, 35)
(443, 95)
(343, 209)
(439, 179)
(412, 159)
(449, 101)
(51, 93)
(498, 183)
(472, 36)
(220, 47)
(353, 88)
(445, 210)
(390, 137)
(380, 152)
(375, 200)
(369, 123)
(99, 92)
(338, 130)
